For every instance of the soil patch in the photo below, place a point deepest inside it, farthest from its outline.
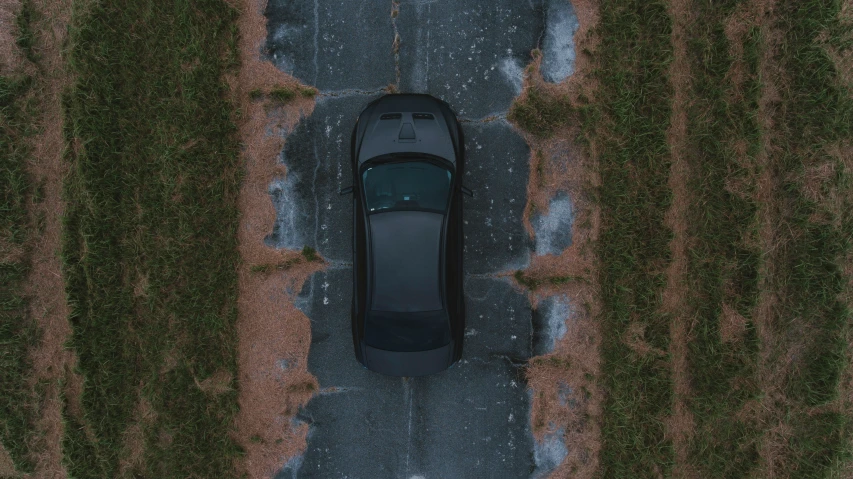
(268, 325)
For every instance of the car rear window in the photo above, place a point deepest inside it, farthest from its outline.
(411, 185)
(407, 332)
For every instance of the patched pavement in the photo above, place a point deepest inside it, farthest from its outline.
(472, 420)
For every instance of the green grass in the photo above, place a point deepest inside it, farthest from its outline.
(627, 121)
(26, 36)
(534, 283)
(152, 197)
(721, 268)
(286, 93)
(18, 330)
(816, 113)
(541, 111)
(633, 110)
(310, 254)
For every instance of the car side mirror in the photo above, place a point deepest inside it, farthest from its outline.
(466, 191)
(345, 191)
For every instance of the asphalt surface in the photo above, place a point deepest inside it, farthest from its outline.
(472, 420)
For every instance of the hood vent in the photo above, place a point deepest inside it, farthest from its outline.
(407, 132)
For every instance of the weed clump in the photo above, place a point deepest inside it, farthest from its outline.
(541, 111)
(310, 254)
(534, 283)
(284, 94)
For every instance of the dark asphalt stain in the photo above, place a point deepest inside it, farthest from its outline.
(472, 420)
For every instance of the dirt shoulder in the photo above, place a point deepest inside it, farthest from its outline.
(32, 46)
(566, 393)
(274, 336)
(51, 360)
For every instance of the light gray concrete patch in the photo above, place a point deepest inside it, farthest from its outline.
(565, 394)
(289, 231)
(553, 230)
(514, 73)
(558, 49)
(549, 453)
(456, 50)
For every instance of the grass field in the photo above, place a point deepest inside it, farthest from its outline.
(767, 151)
(150, 239)
(722, 143)
(633, 242)
(18, 331)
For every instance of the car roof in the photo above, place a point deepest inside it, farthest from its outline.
(405, 253)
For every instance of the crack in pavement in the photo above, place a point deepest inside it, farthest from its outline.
(350, 92)
(395, 45)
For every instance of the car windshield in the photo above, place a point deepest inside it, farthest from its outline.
(411, 185)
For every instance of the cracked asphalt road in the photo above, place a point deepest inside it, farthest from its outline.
(472, 420)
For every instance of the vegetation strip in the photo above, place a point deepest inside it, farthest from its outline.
(681, 423)
(150, 246)
(722, 267)
(813, 127)
(18, 330)
(630, 135)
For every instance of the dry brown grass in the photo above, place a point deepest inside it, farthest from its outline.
(7, 468)
(566, 393)
(11, 58)
(565, 396)
(773, 366)
(134, 439)
(680, 426)
(269, 327)
(45, 286)
(218, 383)
(732, 324)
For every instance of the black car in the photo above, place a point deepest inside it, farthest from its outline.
(408, 309)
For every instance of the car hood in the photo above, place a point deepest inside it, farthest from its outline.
(405, 124)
